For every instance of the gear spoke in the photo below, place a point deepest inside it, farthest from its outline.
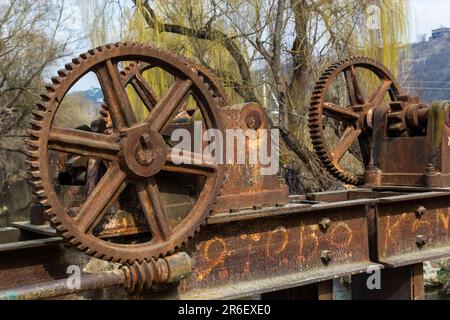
(83, 143)
(338, 112)
(190, 163)
(354, 92)
(348, 138)
(115, 95)
(105, 193)
(167, 107)
(154, 209)
(379, 94)
(144, 91)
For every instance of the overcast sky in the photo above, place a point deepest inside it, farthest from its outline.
(427, 15)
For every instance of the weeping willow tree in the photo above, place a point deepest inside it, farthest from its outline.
(268, 51)
(385, 32)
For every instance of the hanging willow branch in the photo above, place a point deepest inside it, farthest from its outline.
(245, 89)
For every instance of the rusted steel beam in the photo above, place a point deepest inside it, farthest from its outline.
(258, 251)
(411, 229)
(275, 252)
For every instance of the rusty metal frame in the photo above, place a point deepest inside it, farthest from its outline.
(311, 240)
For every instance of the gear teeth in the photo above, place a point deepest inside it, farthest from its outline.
(45, 97)
(36, 184)
(39, 192)
(50, 88)
(99, 255)
(32, 143)
(36, 123)
(41, 108)
(63, 73)
(56, 81)
(33, 133)
(32, 164)
(39, 115)
(32, 153)
(66, 235)
(82, 247)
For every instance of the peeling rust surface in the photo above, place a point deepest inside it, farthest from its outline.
(404, 230)
(276, 246)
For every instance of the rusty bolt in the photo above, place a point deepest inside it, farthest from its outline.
(144, 155)
(421, 211)
(253, 120)
(325, 224)
(145, 141)
(421, 240)
(326, 256)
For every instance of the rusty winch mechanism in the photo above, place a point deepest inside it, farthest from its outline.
(120, 191)
(402, 142)
(114, 191)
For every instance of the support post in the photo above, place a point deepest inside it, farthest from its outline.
(403, 283)
(317, 291)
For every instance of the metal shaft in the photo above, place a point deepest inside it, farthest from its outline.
(134, 278)
(63, 287)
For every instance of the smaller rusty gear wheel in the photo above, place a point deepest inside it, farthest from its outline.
(133, 152)
(355, 118)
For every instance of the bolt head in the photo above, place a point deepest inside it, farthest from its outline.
(144, 157)
(253, 120)
(421, 211)
(325, 224)
(421, 240)
(144, 154)
(326, 256)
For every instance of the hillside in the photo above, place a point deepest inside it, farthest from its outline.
(425, 71)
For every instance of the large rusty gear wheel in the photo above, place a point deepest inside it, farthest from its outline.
(134, 152)
(355, 118)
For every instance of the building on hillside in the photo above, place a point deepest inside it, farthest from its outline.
(440, 33)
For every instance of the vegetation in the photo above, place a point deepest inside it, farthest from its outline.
(269, 51)
(28, 45)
